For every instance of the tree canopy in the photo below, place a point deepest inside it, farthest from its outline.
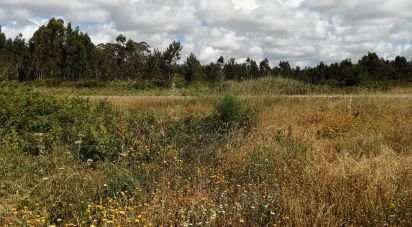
(57, 51)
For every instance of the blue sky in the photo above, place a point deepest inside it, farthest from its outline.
(303, 32)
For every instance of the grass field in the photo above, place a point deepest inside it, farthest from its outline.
(177, 161)
(263, 86)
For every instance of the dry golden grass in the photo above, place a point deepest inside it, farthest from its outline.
(142, 101)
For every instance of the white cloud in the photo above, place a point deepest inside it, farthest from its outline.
(301, 31)
(247, 6)
(209, 54)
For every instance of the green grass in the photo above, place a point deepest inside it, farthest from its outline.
(263, 86)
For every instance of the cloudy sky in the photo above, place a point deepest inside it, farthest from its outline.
(303, 32)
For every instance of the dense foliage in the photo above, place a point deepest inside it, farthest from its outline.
(37, 123)
(231, 109)
(58, 52)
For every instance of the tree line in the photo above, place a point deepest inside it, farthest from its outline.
(57, 51)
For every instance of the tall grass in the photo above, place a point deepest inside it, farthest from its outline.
(262, 86)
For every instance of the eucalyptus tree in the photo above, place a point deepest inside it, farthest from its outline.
(20, 58)
(264, 67)
(135, 54)
(252, 69)
(5, 64)
(285, 68)
(2, 39)
(78, 55)
(46, 46)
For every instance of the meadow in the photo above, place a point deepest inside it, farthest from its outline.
(268, 158)
(267, 86)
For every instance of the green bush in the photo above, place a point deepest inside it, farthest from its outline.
(34, 122)
(269, 85)
(143, 85)
(231, 109)
(89, 84)
(53, 82)
(179, 81)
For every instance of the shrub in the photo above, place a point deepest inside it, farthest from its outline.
(53, 82)
(143, 85)
(231, 109)
(269, 85)
(88, 84)
(179, 81)
(35, 123)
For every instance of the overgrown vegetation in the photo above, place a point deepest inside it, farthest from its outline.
(35, 123)
(214, 161)
(232, 110)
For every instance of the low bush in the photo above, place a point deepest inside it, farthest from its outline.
(53, 82)
(143, 85)
(35, 122)
(268, 86)
(231, 109)
(89, 84)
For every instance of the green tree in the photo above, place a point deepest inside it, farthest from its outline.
(252, 69)
(20, 57)
(213, 72)
(135, 57)
(229, 69)
(2, 39)
(285, 68)
(371, 66)
(47, 45)
(105, 63)
(401, 68)
(264, 67)
(5, 63)
(77, 55)
(169, 59)
(193, 69)
(348, 75)
(153, 70)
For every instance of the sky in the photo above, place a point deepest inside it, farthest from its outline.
(303, 32)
